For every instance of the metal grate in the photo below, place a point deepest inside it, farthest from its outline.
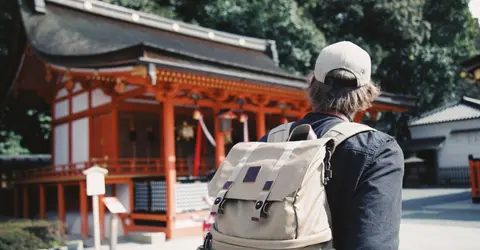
(142, 196)
(159, 196)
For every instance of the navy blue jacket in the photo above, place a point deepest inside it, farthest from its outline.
(365, 193)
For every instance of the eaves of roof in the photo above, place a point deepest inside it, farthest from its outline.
(466, 108)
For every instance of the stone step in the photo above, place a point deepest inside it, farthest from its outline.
(146, 237)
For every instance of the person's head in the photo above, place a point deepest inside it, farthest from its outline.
(341, 80)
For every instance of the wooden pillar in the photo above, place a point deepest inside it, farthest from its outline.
(42, 201)
(131, 193)
(169, 163)
(114, 189)
(16, 200)
(261, 125)
(101, 213)
(83, 209)
(25, 201)
(114, 139)
(219, 141)
(61, 202)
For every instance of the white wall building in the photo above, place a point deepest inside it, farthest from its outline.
(444, 137)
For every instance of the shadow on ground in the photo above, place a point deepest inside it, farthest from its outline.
(439, 207)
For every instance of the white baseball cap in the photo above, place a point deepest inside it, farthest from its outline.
(344, 55)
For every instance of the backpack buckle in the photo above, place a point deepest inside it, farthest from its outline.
(327, 171)
(207, 242)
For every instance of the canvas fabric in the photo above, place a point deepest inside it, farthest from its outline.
(272, 195)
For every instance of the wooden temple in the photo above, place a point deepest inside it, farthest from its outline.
(138, 95)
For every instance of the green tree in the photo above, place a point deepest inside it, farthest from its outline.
(298, 39)
(416, 45)
(25, 125)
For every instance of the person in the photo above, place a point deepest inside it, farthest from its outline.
(365, 193)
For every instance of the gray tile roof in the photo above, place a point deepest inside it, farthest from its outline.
(465, 109)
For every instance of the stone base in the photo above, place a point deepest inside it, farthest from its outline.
(147, 237)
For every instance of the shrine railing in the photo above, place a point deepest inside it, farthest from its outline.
(123, 166)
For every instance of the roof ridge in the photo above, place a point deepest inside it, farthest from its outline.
(158, 22)
(471, 101)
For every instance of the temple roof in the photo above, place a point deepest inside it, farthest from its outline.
(76, 33)
(92, 34)
(466, 109)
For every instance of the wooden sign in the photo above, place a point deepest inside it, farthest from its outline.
(95, 180)
(114, 205)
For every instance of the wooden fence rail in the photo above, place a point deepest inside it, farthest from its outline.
(123, 166)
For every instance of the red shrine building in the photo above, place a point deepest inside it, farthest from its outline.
(156, 102)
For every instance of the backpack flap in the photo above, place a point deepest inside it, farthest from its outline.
(261, 172)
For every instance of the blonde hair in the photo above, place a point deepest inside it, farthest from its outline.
(340, 94)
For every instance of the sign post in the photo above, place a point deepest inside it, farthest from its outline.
(115, 207)
(95, 187)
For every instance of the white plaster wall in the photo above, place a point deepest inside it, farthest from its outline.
(80, 140)
(190, 196)
(77, 87)
(61, 109)
(80, 102)
(74, 223)
(123, 195)
(442, 129)
(457, 147)
(61, 144)
(62, 93)
(99, 98)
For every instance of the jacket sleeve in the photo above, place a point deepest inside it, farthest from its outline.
(376, 207)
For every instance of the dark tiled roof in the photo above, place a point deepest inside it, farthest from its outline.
(465, 109)
(70, 31)
(25, 160)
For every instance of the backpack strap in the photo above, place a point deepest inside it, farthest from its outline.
(345, 130)
(280, 133)
(338, 134)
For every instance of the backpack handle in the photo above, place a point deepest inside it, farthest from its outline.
(302, 132)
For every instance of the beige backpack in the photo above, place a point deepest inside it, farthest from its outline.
(272, 195)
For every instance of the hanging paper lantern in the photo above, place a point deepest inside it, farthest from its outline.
(196, 114)
(225, 121)
(228, 139)
(186, 132)
(476, 74)
(119, 86)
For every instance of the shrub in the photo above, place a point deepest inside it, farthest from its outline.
(34, 234)
(18, 239)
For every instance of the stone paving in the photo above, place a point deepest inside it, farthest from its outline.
(440, 219)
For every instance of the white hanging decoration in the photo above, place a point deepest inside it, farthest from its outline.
(244, 120)
(199, 116)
